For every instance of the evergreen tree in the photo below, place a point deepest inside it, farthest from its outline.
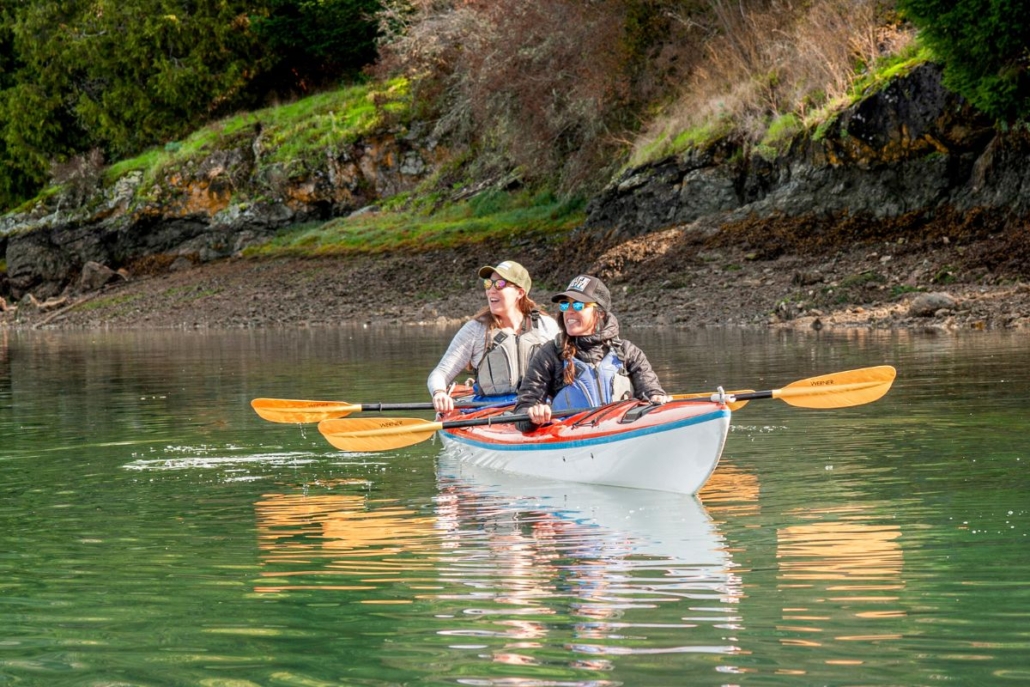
(120, 76)
(35, 124)
(314, 42)
(984, 46)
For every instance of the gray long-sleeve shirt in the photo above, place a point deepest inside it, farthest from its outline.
(467, 349)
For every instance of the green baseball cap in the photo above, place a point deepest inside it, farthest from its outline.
(510, 270)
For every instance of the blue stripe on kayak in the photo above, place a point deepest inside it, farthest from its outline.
(595, 441)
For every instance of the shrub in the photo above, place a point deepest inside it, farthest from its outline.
(80, 176)
(547, 89)
(983, 47)
(315, 42)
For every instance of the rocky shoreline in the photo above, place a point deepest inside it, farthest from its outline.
(909, 212)
(667, 279)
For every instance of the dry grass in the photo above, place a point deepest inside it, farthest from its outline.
(542, 90)
(770, 61)
(562, 90)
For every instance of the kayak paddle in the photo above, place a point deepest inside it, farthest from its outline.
(734, 404)
(290, 410)
(837, 390)
(385, 433)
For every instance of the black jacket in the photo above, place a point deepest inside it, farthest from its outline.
(544, 376)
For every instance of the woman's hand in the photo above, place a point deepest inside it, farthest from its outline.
(659, 399)
(540, 414)
(443, 402)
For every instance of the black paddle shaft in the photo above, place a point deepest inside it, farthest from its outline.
(752, 395)
(383, 407)
(505, 419)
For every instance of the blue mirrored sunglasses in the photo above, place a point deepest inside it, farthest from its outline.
(576, 305)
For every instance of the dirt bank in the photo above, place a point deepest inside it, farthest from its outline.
(669, 278)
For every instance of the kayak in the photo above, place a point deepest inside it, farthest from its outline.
(673, 447)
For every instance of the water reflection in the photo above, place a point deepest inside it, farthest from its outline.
(509, 571)
(600, 571)
(841, 551)
(340, 536)
(730, 492)
(850, 569)
(143, 503)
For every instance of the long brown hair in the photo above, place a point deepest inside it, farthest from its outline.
(526, 306)
(568, 348)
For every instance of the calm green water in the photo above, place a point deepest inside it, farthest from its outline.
(155, 531)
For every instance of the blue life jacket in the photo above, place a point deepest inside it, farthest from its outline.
(596, 385)
(501, 400)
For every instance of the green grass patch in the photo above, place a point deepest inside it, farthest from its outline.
(779, 134)
(428, 296)
(903, 289)
(140, 163)
(489, 216)
(695, 137)
(863, 279)
(698, 137)
(945, 275)
(295, 132)
(834, 295)
(889, 68)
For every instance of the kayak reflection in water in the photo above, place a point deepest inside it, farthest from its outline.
(497, 342)
(588, 364)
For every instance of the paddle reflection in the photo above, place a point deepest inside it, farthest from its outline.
(852, 568)
(730, 492)
(370, 542)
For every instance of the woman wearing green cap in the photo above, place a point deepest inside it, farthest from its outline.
(588, 364)
(498, 341)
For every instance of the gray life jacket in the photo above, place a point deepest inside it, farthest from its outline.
(501, 369)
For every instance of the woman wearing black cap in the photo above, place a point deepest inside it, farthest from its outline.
(587, 365)
(498, 341)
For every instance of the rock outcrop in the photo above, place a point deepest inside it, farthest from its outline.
(911, 148)
(199, 212)
(908, 157)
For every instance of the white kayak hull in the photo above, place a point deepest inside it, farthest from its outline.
(676, 455)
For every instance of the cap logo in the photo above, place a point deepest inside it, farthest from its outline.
(579, 284)
(506, 265)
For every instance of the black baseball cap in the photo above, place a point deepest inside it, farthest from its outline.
(586, 289)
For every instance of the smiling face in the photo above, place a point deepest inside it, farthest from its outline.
(580, 322)
(504, 303)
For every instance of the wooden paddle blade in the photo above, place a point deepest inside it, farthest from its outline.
(839, 389)
(377, 434)
(707, 395)
(294, 411)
